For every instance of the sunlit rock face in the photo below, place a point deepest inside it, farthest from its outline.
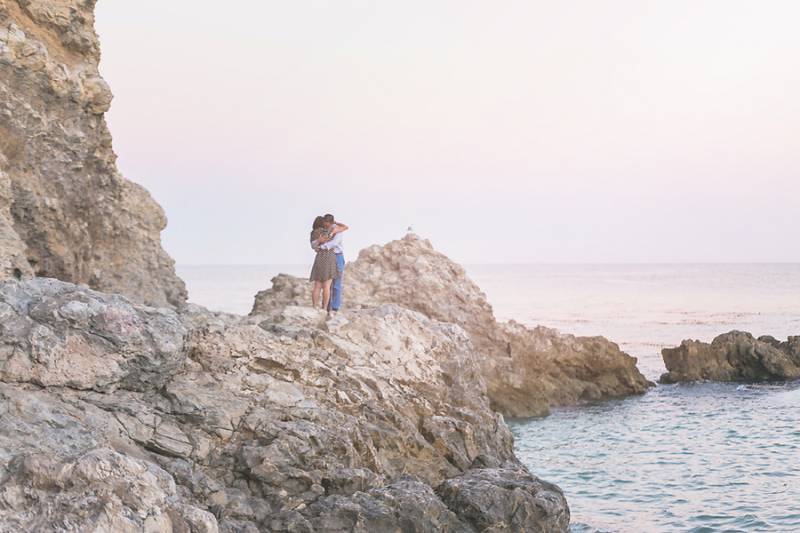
(65, 211)
(121, 417)
(527, 371)
(733, 356)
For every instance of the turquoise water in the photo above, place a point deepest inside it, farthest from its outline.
(701, 458)
(709, 457)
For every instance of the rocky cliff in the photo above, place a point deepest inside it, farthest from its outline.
(734, 356)
(527, 370)
(65, 211)
(119, 417)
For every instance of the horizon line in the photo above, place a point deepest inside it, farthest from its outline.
(528, 263)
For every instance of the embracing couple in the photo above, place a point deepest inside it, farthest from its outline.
(328, 269)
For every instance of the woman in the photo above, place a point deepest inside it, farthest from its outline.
(324, 270)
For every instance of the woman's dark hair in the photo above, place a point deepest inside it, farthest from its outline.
(318, 222)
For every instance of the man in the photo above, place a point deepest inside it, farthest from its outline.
(335, 244)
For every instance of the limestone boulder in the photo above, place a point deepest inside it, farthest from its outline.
(506, 499)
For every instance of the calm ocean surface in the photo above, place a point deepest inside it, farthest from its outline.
(702, 457)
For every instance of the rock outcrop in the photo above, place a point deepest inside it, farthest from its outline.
(734, 356)
(120, 417)
(65, 211)
(527, 370)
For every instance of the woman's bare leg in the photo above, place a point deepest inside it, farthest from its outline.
(326, 293)
(315, 294)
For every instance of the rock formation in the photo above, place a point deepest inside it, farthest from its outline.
(527, 370)
(120, 417)
(734, 356)
(116, 416)
(65, 211)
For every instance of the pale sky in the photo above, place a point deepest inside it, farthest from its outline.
(512, 131)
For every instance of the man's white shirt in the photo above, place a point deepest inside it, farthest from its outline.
(335, 244)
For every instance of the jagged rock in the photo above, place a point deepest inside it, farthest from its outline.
(389, 388)
(506, 499)
(65, 211)
(54, 333)
(290, 423)
(734, 356)
(285, 291)
(100, 490)
(404, 505)
(406, 272)
(542, 368)
(791, 346)
(527, 370)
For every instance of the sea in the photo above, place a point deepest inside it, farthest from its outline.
(703, 457)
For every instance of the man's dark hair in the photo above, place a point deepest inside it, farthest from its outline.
(329, 218)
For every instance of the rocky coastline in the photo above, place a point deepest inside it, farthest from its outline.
(527, 370)
(124, 408)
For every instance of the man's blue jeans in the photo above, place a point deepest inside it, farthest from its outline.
(336, 286)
